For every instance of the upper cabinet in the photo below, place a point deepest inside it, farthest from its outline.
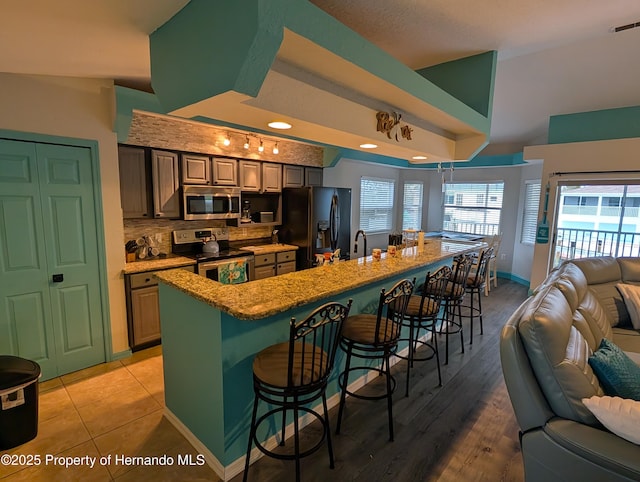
(292, 176)
(196, 169)
(250, 176)
(225, 171)
(166, 187)
(134, 183)
(313, 176)
(271, 177)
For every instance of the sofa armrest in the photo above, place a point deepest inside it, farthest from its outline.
(598, 446)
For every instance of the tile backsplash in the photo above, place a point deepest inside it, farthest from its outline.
(162, 228)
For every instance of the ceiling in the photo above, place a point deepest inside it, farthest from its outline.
(554, 57)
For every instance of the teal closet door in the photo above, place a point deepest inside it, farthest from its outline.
(71, 246)
(50, 306)
(25, 307)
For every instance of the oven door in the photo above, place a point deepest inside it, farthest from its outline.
(228, 271)
(211, 203)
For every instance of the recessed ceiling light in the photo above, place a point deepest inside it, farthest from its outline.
(419, 158)
(368, 146)
(279, 125)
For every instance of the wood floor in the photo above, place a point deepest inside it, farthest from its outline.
(462, 431)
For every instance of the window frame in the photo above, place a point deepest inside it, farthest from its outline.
(417, 206)
(467, 200)
(370, 226)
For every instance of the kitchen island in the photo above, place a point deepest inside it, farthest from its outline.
(211, 332)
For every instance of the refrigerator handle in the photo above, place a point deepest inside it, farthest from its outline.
(334, 221)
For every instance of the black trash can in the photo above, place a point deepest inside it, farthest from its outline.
(18, 401)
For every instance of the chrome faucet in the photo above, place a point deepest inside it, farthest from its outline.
(364, 237)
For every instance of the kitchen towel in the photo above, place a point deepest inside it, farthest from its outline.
(233, 272)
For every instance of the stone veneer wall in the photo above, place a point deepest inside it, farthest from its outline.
(165, 132)
(136, 228)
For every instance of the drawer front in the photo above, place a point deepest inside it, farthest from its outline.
(286, 256)
(288, 267)
(140, 280)
(262, 259)
(262, 272)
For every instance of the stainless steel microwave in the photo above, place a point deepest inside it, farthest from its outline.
(208, 202)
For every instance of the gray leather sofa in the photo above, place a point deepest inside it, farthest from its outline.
(544, 351)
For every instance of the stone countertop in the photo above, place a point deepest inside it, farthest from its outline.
(279, 293)
(171, 261)
(270, 248)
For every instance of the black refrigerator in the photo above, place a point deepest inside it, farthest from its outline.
(318, 220)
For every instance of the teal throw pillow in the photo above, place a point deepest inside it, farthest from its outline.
(617, 373)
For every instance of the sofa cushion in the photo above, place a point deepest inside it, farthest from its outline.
(596, 315)
(602, 275)
(629, 269)
(559, 355)
(602, 269)
(620, 415)
(618, 375)
(628, 340)
(631, 296)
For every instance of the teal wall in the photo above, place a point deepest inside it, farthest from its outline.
(470, 79)
(597, 125)
(208, 357)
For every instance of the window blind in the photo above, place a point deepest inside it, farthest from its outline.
(530, 212)
(376, 204)
(412, 206)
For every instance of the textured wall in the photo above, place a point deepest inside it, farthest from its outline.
(136, 228)
(164, 132)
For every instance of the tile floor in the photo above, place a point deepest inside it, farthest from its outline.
(112, 409)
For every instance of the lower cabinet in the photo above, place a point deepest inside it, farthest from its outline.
(285, 262)
(143, 309)
(265, 265)
(272, 264)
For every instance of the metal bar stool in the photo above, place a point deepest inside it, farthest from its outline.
(476, 284)
(452, 299)
(291, 375)
(375, 337)
(422, 314)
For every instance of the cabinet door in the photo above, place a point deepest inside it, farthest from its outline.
(250, 179)
(313, 176)
(288, 267)
(134, 188)
(292, 176)
(225, 171)
(196, 169)
(145, 316)
(262, 272)
(271, 177)
(166, 199)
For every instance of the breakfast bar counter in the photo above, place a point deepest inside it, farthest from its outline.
(211, 333)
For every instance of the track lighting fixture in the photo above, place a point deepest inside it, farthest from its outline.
(246, 143)
(261, 147)
(227, 140)
(275, 149)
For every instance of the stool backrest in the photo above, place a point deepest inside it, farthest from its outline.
(480, 275)
(434, 286)
(391, 311)
(313, 343)
(460, 273)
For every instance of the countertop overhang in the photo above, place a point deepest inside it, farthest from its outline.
(275, 295)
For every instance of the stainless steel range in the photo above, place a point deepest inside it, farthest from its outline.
(219, 263)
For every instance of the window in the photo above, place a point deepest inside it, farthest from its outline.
(412, 206)
(376, 204)
(530, 213)
(477, 207)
